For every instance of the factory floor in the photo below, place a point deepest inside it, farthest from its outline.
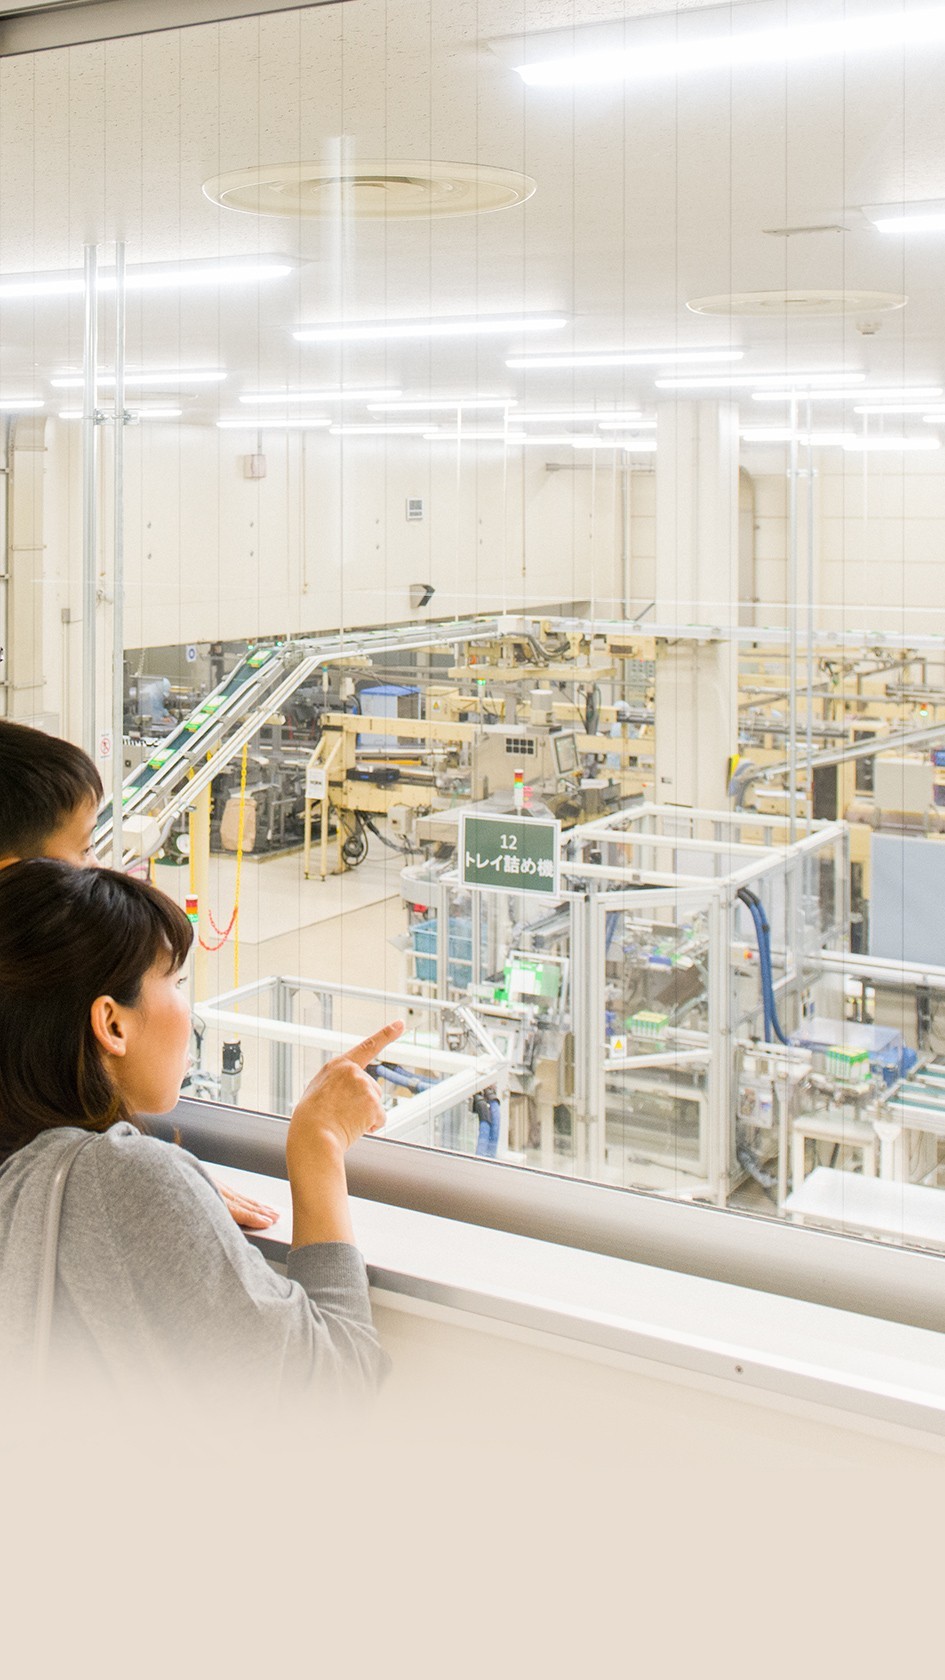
(337, 930)
(283, 919)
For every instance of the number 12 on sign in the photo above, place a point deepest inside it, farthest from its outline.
(509, 854)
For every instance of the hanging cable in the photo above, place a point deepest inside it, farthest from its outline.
(354, 849)
(224, 934)
(239, 865)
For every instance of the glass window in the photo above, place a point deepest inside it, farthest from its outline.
(475, 486)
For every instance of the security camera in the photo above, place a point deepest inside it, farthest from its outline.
(868, 328)
(420, 594)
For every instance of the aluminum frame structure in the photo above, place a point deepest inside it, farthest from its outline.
(673, 860)
(463, 1075)
(652, 837)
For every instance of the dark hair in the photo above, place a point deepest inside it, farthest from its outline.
(43, 780)
(67, 937)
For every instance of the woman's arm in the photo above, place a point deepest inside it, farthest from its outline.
(339, 1105)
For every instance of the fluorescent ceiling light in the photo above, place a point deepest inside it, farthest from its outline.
(721, 381)
(178, 277)
(784, 434)
(465, 437)
(565, 417)
(622, 358)
(648, 51)
(136, 413)
(852, 441)
(337, 393)
(927, 217)
(893, 407)
(634, 446)
(186, 277)
(627, 425)
(479, 326)
(936, 418)
(451, 404)
(574, 440)
(895, 445)
(13, 404)
(146, 379)
(276, 423)
(380, 431)
(884, 394)
(559, 439)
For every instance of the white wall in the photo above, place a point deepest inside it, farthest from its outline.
(649, 1504)
(323, 539)
(879, 540)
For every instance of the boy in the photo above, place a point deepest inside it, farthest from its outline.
(50, 792)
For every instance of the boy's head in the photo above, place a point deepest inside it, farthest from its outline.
(50, 793)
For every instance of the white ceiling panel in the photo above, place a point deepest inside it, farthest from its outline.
(646, 196)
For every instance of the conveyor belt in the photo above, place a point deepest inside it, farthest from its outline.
(179, 770)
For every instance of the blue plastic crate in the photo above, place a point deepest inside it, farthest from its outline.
(426, 945)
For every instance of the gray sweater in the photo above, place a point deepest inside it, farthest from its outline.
(156, 1282)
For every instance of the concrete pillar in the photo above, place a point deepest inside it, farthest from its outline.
(696, 584)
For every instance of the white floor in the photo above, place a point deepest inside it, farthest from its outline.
(337, 930)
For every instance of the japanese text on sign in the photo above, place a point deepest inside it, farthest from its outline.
(510, 854)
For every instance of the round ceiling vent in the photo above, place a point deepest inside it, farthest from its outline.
(386, 190)
(802, 301)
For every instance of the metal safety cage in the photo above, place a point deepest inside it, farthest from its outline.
(704, 951)
(431, 1077)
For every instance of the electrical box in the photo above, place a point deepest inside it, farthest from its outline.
(254, 466)
(414, 507)
(501, 750)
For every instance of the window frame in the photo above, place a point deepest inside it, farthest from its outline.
(850, 1272)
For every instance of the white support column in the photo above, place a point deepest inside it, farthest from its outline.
(696, 583)
(30, 664)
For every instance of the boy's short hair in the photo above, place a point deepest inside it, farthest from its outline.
(43, 781)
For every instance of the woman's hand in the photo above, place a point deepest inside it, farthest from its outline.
(340, 1104)
(249, 1215)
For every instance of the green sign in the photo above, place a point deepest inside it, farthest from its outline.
(509, 854)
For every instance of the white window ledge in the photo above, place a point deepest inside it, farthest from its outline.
(766, 1346)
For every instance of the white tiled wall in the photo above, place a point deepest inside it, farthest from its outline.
(879, 541)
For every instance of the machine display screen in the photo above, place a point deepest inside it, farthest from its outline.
(566, 752)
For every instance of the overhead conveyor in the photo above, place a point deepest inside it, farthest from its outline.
(216, 731)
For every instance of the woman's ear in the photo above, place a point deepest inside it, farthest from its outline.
(108, 1025)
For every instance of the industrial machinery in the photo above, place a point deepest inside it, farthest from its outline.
(720, 1005)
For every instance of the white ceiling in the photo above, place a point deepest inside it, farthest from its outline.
(646, 196)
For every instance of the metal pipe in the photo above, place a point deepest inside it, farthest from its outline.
(662, 1059)
(427, 1105)
(863, 749)
(886, 971)
(199, 831)
(336, 1043)
(89, 500)
(792, 625)
(810, 613)
(118, 564)
(625, 542)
